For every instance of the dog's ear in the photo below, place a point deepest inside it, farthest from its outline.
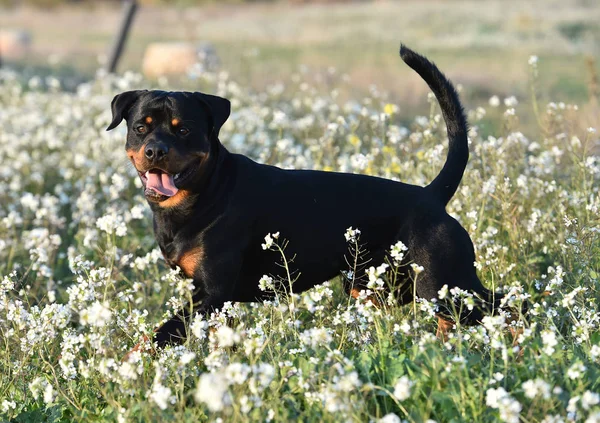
(218, 107)
(120, 106)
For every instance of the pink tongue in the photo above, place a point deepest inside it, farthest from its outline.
(162, 183)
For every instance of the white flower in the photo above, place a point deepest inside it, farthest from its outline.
(161, 395)
(509, 408)
(266, 283)
(199, 326)
(589, 399)
(349, 382)
(7, 405)
(127, 371)
(595, 352)
(576, 371)
(404, 327)
(443, 292)
(536, 387)
(237, 373)
(264, 374)
(279, 118)
(360, 161)
(137, 212)
(397, 252)
(494, 101)
(36, 386)
(351, 234)
(98, 314)
(532, 60)
(568, 221)
(227, 337)
(416, 268)
(553, 419)
(572, 405)
(489, 186)
(494, 324)
(402, 388)
(593, 417)
(316, 337)
(269, 239)
(494, 396)
(187, 357)
(549, 340)
(510, 101)
(112, 223)
(212, 391)
(390, 418)
(374, 273)
(49, 394)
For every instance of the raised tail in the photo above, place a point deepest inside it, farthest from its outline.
(445, 184)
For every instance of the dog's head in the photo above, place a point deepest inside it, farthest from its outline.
(170, 137)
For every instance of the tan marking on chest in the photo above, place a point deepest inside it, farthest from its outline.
(175, 200)
(190, 260)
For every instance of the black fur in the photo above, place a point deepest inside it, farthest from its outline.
(233, 202)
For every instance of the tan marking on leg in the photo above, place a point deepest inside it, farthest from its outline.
(515, 332)
(444, 326)
(175, 200)
(148, 120)
(355, 293)
(137, 347)
(189, 261)
(175, 122)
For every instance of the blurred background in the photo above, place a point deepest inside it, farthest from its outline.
(485, 45)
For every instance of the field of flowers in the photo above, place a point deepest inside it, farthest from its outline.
(81, 279)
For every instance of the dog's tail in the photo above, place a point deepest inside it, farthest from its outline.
(445, 184)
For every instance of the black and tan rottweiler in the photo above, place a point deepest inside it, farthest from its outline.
(212, 209)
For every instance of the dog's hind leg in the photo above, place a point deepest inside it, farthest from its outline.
(444, 326)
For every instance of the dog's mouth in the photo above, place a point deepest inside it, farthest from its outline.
(160, 184)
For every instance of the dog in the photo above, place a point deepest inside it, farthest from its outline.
(212, 209)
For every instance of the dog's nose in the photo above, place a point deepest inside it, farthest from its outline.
(156, 151)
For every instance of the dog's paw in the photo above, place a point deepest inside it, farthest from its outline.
(172, 332)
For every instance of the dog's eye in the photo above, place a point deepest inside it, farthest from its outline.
(183, 131)
(141, 129)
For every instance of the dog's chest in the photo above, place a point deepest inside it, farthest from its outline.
(188, 259)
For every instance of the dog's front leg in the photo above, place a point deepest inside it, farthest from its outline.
(174, 330)
(214, 283)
